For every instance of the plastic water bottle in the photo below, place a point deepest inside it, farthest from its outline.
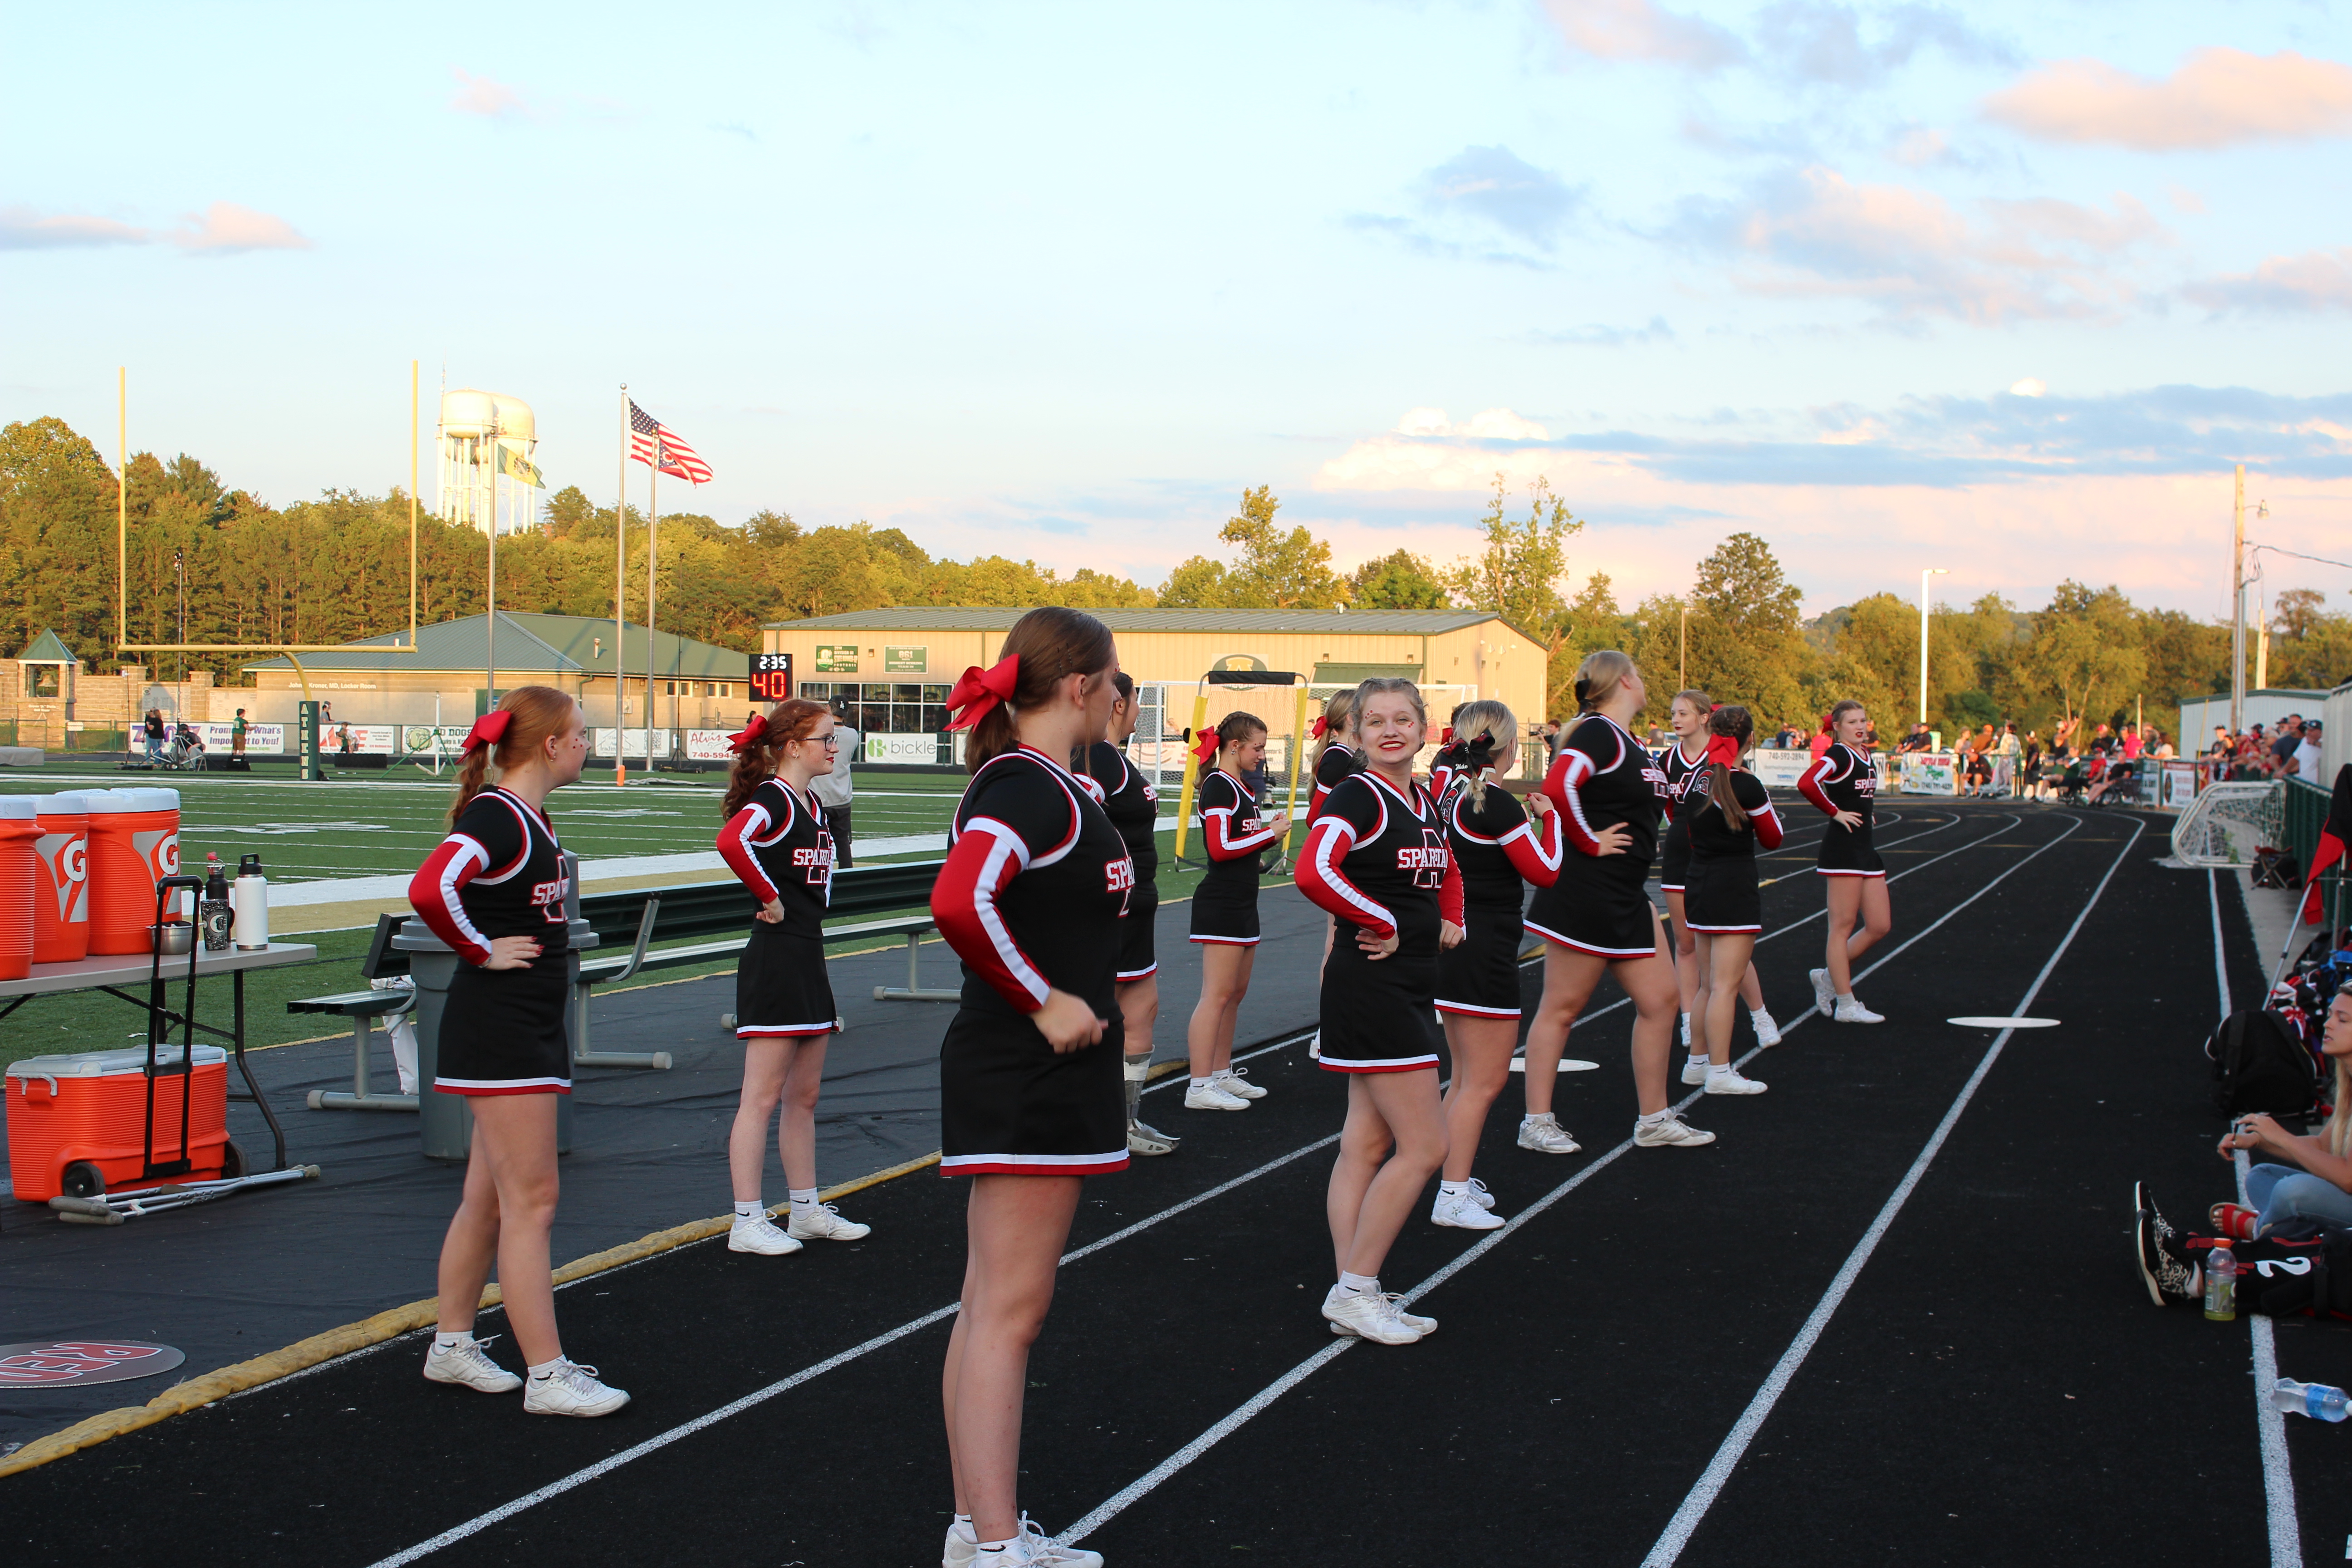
(2221, 1284)
(2317, 1400)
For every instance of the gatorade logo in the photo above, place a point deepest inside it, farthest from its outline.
(67, 854)
(160, 848)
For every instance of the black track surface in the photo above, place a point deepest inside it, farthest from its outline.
(1996, 1387)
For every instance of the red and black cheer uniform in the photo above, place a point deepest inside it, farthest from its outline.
(1673, 841)
(1224, 905)
(501, 873)
(1602, 779)
(1030, 899)
(1378, 857)
(1721, 895)
(1133, 808)
(1338, 761)
(1844, 779)
(777, 844)
(1498, 852)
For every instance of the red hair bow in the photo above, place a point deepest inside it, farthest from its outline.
(749, 735)
(1722, 749)
(488, 730)
(1445, 736)
(1316, 730)
(981, 690)
(1204, 746)
(1829, 725)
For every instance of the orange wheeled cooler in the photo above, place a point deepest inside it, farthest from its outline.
(77, 1123)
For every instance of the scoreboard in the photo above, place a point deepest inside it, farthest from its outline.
(772, 676)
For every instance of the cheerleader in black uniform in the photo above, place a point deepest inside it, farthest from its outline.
(1029, 1072)
(775, 841)
(1687, 719)
(1224, 908)
(1499, 852)
(1729, 814)
(1133, 808)
(494, 891)
(1336, 758)
(1377, 860)
(1597, 917)
(1843, 781)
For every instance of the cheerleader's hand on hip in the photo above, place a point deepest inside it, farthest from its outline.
(771, 912)
(1449, 934)
(1068, 1022)
(511, 952)
(1613, 840)
(1375, 947)
(1849, 820)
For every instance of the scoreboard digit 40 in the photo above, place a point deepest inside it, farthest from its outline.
(772, 676)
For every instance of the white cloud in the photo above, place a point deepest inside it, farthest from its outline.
(22, 228)
(2315, 281)
(2031, 386)
(2218, 97)
(225, 228)
(1637, 30)
(1497, 185)
(480, 95)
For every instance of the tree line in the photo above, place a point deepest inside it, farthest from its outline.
(337, 568)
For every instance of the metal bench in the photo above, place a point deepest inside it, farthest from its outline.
(363, 1008)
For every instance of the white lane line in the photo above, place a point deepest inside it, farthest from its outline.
(2278, 1476)
(1687, 1517)
(784, 1386)
(1176, 1078)
(1250, 1408)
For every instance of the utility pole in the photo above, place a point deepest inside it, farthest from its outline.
(1925, 573)
(1681, 662)
(2238, 608)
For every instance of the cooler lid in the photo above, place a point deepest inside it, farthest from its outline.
(19, 806)
(158, 799)
(108, 1064)
(96, 802)
(66, 805)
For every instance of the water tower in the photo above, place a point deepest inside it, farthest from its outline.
(474, 427)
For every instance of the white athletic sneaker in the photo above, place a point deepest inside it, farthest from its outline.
(571, 1389)
(1669, 1134)
(1694, 1069)
(1235, 1081)
(1850, 1010)
(469, 1365)
(825, 1224)
(1315, 1047)
(758, 1234)
(1142, 1138)
(1368, 1315)
(1479, 1195)
(1463, 1212)
(1418, 1324)
(1824, 993)
(958, 1552)
(1544, 1135)
(1732, 1083)
(1048, 1552)
(1685, 1031)
(1768, 1033)
(1211, 1096)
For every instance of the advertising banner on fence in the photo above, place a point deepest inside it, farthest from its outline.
(261, 740)
(901, 749)
(419, 741)
(373, 738)
(707, 746)
(634, 739)
(1777, 768)
(2180, 788)
(1931, 772)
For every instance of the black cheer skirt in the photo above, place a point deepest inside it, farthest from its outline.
(1721, 895)
(1010, 1105)
(507, 1031)
(1480, 977)
(1596, 908)
(781, 985)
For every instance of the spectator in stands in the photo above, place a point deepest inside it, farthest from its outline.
(2029, 767)
(2159, 747)
(2306, 754)
(832, 790)
(2218, 755)
(1789, 739)
(152, 729)
(1550, 739)
(2284, 744)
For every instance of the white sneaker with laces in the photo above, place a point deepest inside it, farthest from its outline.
(1418, 1324)
(1824, 993)
(469, 1365)
(1768, 1033)
(1211, 1096)
(1463, 1212)
(758, 1234)
(959, 1553)
(1544, 1135)
(1669, 1133)
(1850, 1010)
(1368, 1315)
(1479, 1195)
(571, 1389)
(1142, 1138)
(824, 1223)
(1694, 1069)
(1049, 1551)
(1235, 1081)
(1732, 1083)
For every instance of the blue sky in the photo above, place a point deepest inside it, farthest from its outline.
(2003, 288)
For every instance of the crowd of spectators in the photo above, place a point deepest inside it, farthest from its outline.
(2289, 750)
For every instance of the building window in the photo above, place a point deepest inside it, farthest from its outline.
(883, 707)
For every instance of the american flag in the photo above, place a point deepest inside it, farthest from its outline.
(678, 460)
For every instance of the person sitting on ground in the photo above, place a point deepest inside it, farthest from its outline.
(2322, 1189)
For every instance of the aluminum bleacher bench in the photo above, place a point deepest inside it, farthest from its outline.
(363, 1008)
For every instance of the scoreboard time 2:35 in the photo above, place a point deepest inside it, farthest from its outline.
(771, 677)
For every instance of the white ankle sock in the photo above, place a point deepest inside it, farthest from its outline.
(962, 1526)
(1652, 1118)
(997, 1546)
(451, 1342)
(1722, 1070)
(1454, 1189)
(751, 1209)
(804, 1199)
(1358, 1284)
(545, 1368)
(1202, 1082)
(1698, 1056)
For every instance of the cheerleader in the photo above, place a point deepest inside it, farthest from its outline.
(1376, 858)
(775, 841)
(1335, 759)
(1730, 813)
(1687, 719)
(1498, 852)
(495, 892)
(1597, 917)
(1030, 1102)
(1843, 780)
(1224, 908)
(1133, 808)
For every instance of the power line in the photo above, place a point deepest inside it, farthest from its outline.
(2321, 560)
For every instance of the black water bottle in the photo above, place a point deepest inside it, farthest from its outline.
(213, 913)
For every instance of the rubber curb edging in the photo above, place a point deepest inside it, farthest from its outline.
(303, 1355)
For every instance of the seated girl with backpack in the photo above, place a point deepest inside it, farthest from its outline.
(2322, 1189)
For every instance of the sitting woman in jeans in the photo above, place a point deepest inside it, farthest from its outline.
(2322, 1189)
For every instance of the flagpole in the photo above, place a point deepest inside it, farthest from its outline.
(490, 623)
(620, 604)
(653, 530)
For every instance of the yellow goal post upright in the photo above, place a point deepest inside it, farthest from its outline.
(293, 651)
(1239, 680)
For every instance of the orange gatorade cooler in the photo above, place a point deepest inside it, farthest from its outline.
(78, 1122)
(61, 884)
(20, 867)
(134, 842)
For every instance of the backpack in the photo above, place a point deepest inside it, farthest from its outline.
(2259, 1064)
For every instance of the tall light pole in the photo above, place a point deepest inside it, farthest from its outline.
(2238, 607)
(1926, 573)
(1681, 662)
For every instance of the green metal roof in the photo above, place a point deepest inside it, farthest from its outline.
(561, 644)
(46, 649)
(1372, 623)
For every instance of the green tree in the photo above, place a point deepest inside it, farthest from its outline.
(1517, 574)
(1746, 645)
(1401, 581)
(2085, 650)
